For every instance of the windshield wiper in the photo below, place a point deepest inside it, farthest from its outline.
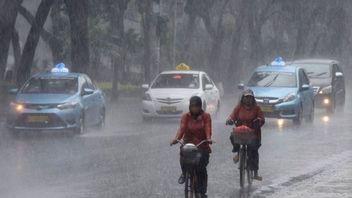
(272, 81)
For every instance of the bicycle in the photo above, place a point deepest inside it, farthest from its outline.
(244, 139)
(190, 158)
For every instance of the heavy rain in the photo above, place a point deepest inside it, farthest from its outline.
(94, 93)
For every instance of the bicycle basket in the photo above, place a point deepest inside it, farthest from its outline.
(243, 135)
(190, 155)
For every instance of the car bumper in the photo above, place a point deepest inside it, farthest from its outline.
(54, 119)
(285, 110)
(154, 109)
(323, 100)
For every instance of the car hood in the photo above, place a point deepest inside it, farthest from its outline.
(272, 92)
(44, 98)
(320, 82)
(173, 93)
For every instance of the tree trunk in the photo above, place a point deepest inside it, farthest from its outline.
(147, 19)
(17, 52)
(30, 46)
(78, 16)
(8, 14)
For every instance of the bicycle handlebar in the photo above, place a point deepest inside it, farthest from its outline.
(200, 143)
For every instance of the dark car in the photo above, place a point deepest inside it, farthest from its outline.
(327, 79)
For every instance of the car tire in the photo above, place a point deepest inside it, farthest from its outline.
(147, 119)
(310, 117)
(101, 124)
(298, 120)
(81, 128)
(331, 109)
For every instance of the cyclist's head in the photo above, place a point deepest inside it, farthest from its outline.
(195, 105)
(248, 98)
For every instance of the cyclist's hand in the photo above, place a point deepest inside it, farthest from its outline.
(238, 123)
(210, 141)
(256, 123)
(172, 142)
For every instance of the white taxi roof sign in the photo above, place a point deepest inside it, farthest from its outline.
(183, 67)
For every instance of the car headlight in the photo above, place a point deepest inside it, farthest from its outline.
(326, 90)
(290, 97)
(68, 105)
(17, 106)
(147, 97)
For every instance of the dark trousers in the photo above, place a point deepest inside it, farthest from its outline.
(201, 173)
(252, 149)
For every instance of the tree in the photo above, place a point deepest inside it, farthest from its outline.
(32, 41)
(8, 14)
(78, 16)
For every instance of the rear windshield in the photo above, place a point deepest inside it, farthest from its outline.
(51, 86)
(186, 81)
(273, 79)
(317, 70)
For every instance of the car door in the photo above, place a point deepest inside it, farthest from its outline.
(307, 95)
(338, 83)
(87, 102)
(96, 103)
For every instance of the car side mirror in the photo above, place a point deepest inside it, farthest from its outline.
(240, 86)
(13, 91)
(145, 86)
(339, 74)
(209, 87)
(87, 91)
(305, 87)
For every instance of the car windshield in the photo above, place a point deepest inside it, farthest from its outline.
(317, 70)
(273, 79)
(51, 86)
(187, 81)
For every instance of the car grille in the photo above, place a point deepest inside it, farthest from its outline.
(40, 106)
(169, 113)
(268, 100)
(53, 121)
(169, 100)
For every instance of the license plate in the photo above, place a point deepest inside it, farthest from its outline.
(267, 109)
(32, 119)
(168, 109)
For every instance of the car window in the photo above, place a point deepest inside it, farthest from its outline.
(316, 70)
(185, 81)
(205, 81)
(51, 85)
(303, 78)
(89, 82)
(273, 79)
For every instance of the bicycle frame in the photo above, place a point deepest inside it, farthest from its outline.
(243, 166)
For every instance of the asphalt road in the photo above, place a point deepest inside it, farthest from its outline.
(133, 159)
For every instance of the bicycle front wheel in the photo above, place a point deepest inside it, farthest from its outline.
(249, 176)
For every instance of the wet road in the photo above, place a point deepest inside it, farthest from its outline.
(133, 159)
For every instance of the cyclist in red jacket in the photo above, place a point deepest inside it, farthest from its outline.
(195, 127)
(248, 113)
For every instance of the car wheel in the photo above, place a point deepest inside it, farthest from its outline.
(101, 124)
(81, 128)
(310, 117)
(147, 119)
(332, 107)
(298, 120)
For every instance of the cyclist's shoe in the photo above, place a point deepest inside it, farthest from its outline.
(257, 177)
(201, 195)
(236, 158)
(181, 180)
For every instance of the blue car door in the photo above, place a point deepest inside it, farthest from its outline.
(307, 95)
(88, 103)
(96, 103)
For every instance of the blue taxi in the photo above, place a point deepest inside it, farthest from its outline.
(282, 91)
(57, 100)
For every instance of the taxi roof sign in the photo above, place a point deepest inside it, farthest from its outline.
(183, 66)
(278, 62)
(60, 68)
